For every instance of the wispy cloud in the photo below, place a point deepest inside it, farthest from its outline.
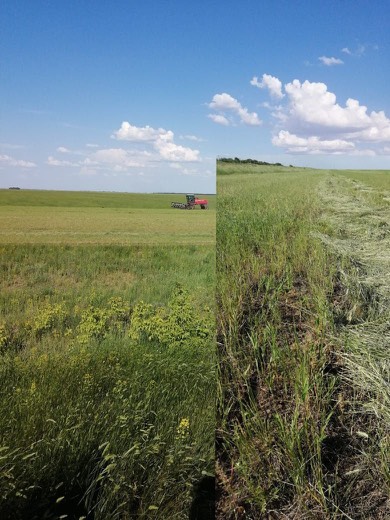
(219, 119)
(329, 62)
(360, 49)
(11, 161)
(192, 138)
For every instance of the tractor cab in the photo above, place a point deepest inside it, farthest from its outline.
(191, 203)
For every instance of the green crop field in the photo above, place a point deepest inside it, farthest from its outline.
(43, 217)
(107, 374)
(303, 312)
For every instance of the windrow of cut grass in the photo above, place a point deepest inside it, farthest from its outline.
(360, 213)
(283, 443)
(107, 376)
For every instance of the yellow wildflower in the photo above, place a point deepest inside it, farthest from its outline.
(183, 429)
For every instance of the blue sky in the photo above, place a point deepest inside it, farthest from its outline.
(143, 96)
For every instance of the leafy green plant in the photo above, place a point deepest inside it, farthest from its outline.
(176, 325)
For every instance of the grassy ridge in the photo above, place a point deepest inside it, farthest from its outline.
(107, 377)
(285, 441)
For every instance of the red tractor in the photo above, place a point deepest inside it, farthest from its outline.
(192, 202)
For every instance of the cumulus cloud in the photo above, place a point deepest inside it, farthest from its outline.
(274, 85)
(310, 120)
(161, 140)
(223, 103)
(312, 104)
(312, 108)
(330, 61)
(174, 152)
(11, 161)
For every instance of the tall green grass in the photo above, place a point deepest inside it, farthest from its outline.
(107, 376)
(283, 439)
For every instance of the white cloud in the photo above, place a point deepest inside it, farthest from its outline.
(330, 61)
(310, 120)
(313, 108)
(274, 85)
(311, 104)
(11, 161)
(312, 145)
(128, 132)
(219, 119)
(346, 50)
(160, 139)
(62, 149)
(174, 152)
(225, 102)
(92, 145)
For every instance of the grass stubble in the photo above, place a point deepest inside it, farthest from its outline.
(107, 406)
(302, 316)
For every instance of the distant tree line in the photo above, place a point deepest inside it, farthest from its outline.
(247, 161)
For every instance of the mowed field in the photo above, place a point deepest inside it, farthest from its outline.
(101, 218)
(303, 312)
(107, 350)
